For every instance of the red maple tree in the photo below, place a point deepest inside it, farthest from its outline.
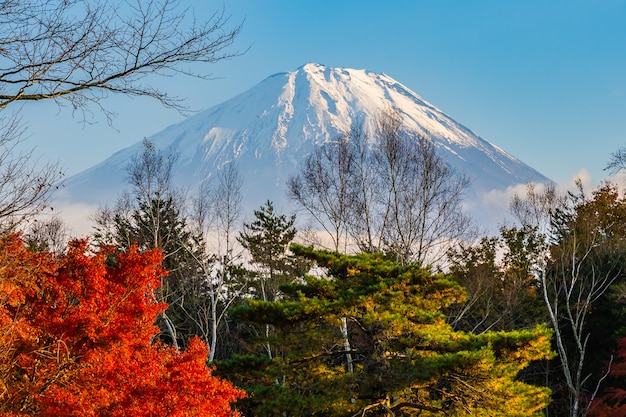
(613, 401)
(76, 339)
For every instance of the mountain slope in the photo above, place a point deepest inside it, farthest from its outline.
(269, 129)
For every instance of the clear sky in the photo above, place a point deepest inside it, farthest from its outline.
(544, 80)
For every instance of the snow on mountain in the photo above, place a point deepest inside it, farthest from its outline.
(270, 128)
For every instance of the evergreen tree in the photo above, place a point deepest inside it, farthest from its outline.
(406, 359)
(267, 241)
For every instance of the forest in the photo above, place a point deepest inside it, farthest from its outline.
(369, 313)
(380, 297)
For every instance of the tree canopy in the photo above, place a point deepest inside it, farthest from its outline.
(406, 360)
(76, 339)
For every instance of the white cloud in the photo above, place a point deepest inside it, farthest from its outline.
(491, 209)
(77, 217)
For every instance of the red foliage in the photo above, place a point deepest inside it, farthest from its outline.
(613, 401)
(75, 339)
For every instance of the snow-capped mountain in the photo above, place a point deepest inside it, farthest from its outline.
(269, 129)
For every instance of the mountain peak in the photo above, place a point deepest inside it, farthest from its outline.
(312, 67)
(269, 129)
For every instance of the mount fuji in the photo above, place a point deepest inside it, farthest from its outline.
(269, 129)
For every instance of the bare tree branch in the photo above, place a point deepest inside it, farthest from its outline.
(81, 51)
(25, 186)
(617, 162)
(390, 192)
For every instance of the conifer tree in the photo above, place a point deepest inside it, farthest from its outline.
(406, 359)
(267, 241)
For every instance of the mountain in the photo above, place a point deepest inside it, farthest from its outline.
(270, 128)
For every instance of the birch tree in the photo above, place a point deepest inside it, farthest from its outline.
(217, 209)
(388, 190)
(588, 258)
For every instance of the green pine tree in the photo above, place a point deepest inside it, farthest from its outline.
(267, 241)
(407, 361)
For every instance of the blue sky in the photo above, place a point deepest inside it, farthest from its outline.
(544, 80)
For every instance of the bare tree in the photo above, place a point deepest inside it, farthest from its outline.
(228, 207)
(391, 193)
(26, 187)
(323, 187)
(82, 51)
(537, 205)
(217, 209)
(419, 194)
(150, 172)
(364, 226)
(47, 235)
(617, 161)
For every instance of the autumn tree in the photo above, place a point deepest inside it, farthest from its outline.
(587, 259)
(406, 359)
(76, 336)
(150, 216)
(499, 275)
(612, 402)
